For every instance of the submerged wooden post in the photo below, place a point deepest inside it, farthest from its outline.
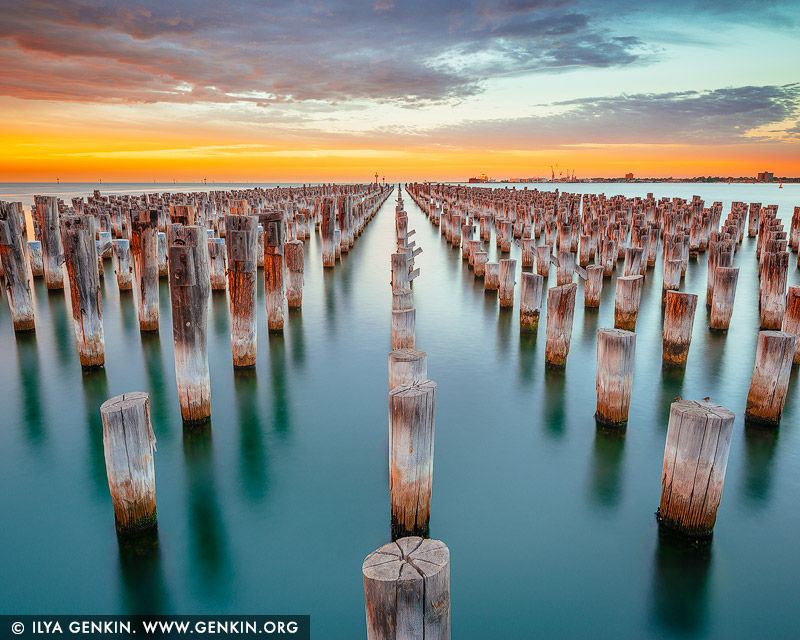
(412, 409)
(163, 267)
(144, 249)
(242, 246)
(627, 298)
(35, 257)
(770, 381)
(403, 328)
(695, 459)
(80, 252)
(120, 252)
(328, 230)
(273, 269)
(216, 263)
(616, 349)
(407, 590)
(295, 261)
(128, 445)
(507, 281)
(49, 229)
(593, 286)
(190, 287)
(530, 301)
(560, 312)
(724, 294)
(565, 271)
(407, 366)
(678, 324)
(479, 263)
(791, 319)
(15, 268)
(543, 253)
(773, 294)
(491, 276)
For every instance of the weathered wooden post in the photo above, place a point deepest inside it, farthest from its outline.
(491, 276)
(50, 232)
(627, 298)
(328, 230)
(530, 301)
(672, 276)
(565, 271)
(242, 246)
(216, 260)
(144, 249)
(36, 258)
(616, 349)
(190, 288)
(80, 253)
(583, 253)
(791, 319)
(507, 281)
(724, 294)
(121, 250)
(15, 268)
(128, 444)
(403, 328)
(412, 409)
(273, 268)
(407, 590)
(560, 312)
(163, 267)
(543, 253)
(773, 289)
(295, 261)
(678, 324)
(770, 381)
(528, 253)
(480, 262)
(407, 366)
(695, 459)
(593, 287)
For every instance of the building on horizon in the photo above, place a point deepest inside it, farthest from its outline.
(766, 176)
(629, 176)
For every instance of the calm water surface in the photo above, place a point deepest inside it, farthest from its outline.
(274, 507)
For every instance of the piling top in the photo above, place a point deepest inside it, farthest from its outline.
(702, 409)
(124, 401)
(411, 558)
(407, 355)
(776, 334)
(617, 333)
(420, 388)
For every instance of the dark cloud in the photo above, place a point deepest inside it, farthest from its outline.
(302, 51)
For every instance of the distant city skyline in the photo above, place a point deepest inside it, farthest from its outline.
(331, 90)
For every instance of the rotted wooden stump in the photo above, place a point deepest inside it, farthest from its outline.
(190, 288)
(633, 261)
(35, 258)
(773, 289)
(80, 253)
(672, 276)
(695, 459)
(627, 298)
(273, 269)
(593, 287)
(530, 301)
(163, 267)
(791, 319)
(412, 409)
(295, 264)
(507, 281)
(724, 294)
(565, 271)
(144, 249)
(678, 324)
(128, 444)
(216, 259)
(50, 231)
(242, 247)
(584, 251)
(480, 262)
(616, 349)
(543, 253)
(15, 269)
(328, 231)
(407, 366)
(123, 267)
(407, 590)
(528, 253)
(770, 381)
(403, 328)
(560, 312)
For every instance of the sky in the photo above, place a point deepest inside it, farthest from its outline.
(328, 90)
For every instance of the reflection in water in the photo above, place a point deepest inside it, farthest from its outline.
(609, 445)
(144, 590)
(252, 454)
(671, 389)
(30, 374)
(277, 369)
(554, 391)
(95, 393)
(760, 442)
(154, 368)
(63, 331)
(207, 543)
(527, 355)
(591, 317)
(329, 282)
(714, 352)
(128, 314)
(505, 319)
(297, 337)
(681, 573)
(220, 313)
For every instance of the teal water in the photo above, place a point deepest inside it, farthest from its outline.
(272, 510)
